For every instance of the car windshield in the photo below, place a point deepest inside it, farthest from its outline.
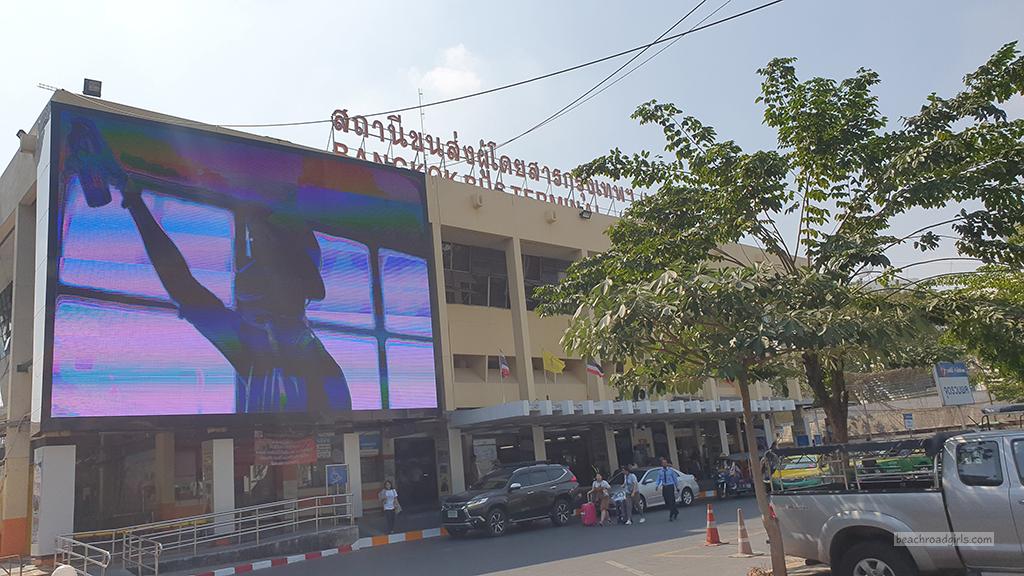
(493, 480)
(799, 465)
(617, 479)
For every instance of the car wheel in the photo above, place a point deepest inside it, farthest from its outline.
(687, 498)
(457, 531)
(497, 522)
(561, 512)
(875, 559)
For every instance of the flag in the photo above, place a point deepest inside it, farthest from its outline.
(594, 368)
(503, 367)
(551, 363)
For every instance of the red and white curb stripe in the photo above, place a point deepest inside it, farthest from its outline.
(369, 542)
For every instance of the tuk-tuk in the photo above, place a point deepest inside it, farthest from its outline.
(733, 475)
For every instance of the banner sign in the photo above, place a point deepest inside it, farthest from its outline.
(951, 381)
(480, 165)
(284, 450)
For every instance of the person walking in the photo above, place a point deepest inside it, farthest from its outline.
(667, 479)
(389, 500)
(632, 489)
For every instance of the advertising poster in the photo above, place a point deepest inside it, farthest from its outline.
(194, 273)
(284, 450)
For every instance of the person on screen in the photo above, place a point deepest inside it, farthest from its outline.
(280, 364)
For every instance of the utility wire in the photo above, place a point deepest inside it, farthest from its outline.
(523, 82)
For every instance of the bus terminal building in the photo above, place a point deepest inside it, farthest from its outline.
(140, 308)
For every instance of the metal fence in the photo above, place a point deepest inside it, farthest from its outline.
(141, 547)
(86, 559)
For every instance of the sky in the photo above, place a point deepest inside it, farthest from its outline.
(259, 62)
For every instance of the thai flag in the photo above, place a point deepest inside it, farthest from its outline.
(503, 367)
(594, 368)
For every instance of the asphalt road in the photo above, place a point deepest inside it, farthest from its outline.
(654, 548)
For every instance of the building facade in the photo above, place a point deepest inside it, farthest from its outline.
(490, 251)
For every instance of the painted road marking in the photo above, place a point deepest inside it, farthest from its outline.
(632, 571)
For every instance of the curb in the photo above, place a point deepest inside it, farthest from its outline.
(367, 542)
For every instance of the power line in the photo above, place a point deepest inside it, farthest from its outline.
(522, 82)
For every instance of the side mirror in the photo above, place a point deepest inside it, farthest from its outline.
(514, 486)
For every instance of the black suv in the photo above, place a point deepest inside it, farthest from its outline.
(511, 494)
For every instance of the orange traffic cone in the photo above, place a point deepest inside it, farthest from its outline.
(712, 538)
(743, 541)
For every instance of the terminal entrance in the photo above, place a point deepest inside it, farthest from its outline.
(416, 473)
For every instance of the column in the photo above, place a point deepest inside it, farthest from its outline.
(355, 472)
(447, 363)
(14, 529)
(741, 440)
(540, 451)
(769, 429)
(164, 474)
(219, 476)
(723, 436)
(54, 504)
(613, 452)
(673, 452)
(456, 463)
(520, 324)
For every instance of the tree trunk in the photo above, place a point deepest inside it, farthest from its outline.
(771, 524)
(829, 388)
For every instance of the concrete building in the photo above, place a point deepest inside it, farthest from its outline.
(490, 250)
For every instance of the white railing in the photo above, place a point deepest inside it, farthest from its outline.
(140, 547)
(86, 559)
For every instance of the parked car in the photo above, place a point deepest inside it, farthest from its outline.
(972, 483)
(650, 495)
(512, 494)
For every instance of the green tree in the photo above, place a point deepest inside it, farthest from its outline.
(845, 176)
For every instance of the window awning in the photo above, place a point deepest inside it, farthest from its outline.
(568, 412)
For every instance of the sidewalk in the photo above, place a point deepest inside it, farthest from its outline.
(374, 523)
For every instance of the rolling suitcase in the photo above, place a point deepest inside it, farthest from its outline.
(589, 513)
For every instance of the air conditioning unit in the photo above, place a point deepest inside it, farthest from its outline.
(551, 216)
(478, 200)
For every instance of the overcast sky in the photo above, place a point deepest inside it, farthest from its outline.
(260, 62)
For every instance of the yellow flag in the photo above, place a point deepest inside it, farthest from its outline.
(551, 363)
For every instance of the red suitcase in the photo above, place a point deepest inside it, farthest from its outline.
(589, 513)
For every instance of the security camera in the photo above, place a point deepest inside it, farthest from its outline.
(21, 134)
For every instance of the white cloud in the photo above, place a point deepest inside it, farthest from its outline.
(456, 74)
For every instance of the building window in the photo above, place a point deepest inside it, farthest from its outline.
(6, 302)
(541, 271)
(474, 276)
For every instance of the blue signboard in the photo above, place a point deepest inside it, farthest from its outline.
(337, 475)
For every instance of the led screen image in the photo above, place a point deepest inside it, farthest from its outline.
(196, 273)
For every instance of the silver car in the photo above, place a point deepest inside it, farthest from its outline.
(650, 495)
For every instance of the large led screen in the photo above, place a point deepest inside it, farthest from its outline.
(196, 273)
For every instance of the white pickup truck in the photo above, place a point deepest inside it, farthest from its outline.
(849, 511)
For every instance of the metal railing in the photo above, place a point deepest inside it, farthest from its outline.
(140, 547)
(86, 559)
(13, 565)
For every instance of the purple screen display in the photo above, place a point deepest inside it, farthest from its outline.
(203, 274)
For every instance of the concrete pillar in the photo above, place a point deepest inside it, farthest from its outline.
(520, 325)
(723, 436)
(17, 388)
(673, 452)
(355, 472)
(769, 429)
(163, 472)
(456, 462)
(540, 451)
(613, 452)
(54, 503)
(219, 476)
(741, 439)
(447, 362)
(793, 387)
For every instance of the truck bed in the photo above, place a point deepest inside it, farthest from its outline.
(809, 518)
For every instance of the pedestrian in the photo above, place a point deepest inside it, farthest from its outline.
(667, 479)
(389, 500)
(632, 489)
(600, 493)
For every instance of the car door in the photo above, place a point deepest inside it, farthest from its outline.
(1015, 444)
(977, 494)
(518, 495)
(648, 487)
(538, 493)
